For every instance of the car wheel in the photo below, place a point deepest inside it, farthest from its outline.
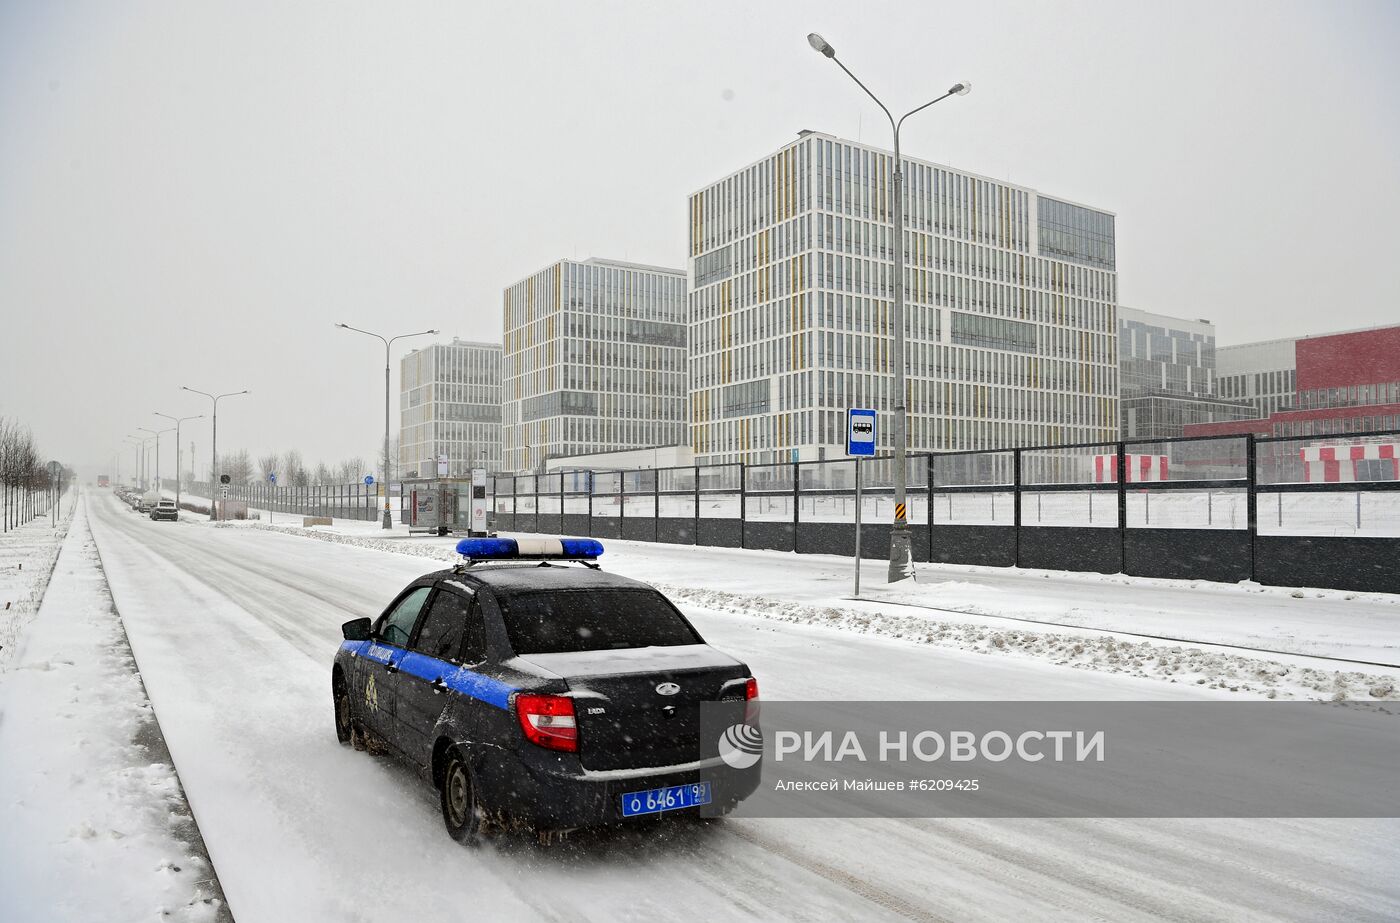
(344, 720)
(460, 811)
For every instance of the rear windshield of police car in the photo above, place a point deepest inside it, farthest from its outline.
(569, 621)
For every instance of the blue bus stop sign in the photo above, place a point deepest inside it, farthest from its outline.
(369, 479)
(860, 432)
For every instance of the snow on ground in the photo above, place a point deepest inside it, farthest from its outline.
(235, 628)
(975, 608)
(27, 555)
(93, 827)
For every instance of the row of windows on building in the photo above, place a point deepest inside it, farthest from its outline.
(1362, 424)
(772, 439)
(598, 354)
(597, 288)
(1351, 396)
(867, 267)
(1281, 382)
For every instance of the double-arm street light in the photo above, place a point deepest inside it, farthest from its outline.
(156, 436)
(214, 478)
(384, 475)
(178, 421)
(901, 556)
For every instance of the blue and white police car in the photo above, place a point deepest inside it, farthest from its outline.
(539, 693)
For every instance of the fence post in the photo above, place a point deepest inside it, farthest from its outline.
(656, 504)
(1016, 507)
(590, 502)
(796, 500)
(1251, 502)
(561, 503)
(928, 509)
(695, 536)
(1122, 465)
(743, 505)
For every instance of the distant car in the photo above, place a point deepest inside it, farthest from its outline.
(541, 697)
(165, 509)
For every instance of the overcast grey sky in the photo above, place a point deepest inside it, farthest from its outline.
(192, 193)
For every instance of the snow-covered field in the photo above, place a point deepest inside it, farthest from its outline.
(234, 625)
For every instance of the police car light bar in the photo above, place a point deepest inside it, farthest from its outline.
(529, 549)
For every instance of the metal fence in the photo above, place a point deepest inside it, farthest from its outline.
(1288, 511)
(339, 501)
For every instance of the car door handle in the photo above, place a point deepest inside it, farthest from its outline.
(439, 686)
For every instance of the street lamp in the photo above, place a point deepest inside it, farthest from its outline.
(178, 421)
(388, 520)
(213, 503)
(157, 436)
(138, 448)
(901, 556)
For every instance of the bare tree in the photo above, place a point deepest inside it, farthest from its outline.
(351, 470)
(268, 464)
(239, 467)
(294, 469)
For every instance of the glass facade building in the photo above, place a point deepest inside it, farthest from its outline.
(594, 361)
(450, 404)
(1167, 378)
(1011, 325)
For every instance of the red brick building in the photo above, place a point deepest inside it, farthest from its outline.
(1347, 383)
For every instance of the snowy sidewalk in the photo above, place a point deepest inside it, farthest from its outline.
(93, 824)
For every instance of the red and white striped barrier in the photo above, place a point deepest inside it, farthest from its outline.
(1140, 468)
(1331, 464)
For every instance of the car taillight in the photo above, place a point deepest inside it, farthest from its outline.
(548, 721)
(751, 701)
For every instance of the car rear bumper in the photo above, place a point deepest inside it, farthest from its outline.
(548, 791)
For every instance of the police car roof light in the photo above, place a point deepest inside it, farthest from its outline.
(488, 548)
(585, 550)
(582, 547)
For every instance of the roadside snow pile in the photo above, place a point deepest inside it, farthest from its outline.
(1174, 663)
(93, 823)
(1171, 662)
(27, 556)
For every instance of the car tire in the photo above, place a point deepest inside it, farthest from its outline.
(461, 813)
(344, 717)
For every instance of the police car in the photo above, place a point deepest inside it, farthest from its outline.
(539, 693)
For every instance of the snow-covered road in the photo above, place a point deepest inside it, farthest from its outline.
(234, 629)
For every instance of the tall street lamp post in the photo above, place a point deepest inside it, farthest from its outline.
(138, 449)
(156, 435)
(384, 475)
(901, 552)
(214, 468)
(178, 421)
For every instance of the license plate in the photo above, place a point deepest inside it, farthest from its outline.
(670, 798)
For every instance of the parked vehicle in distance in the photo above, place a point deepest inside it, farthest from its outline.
(165, 509)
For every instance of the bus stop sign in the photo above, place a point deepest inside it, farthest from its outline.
(860, 432)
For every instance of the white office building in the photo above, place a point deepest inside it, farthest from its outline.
(1011, 323)
(450, 407)
(594, 361)
(1264, 374)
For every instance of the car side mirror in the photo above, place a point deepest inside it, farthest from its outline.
(356, 630)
